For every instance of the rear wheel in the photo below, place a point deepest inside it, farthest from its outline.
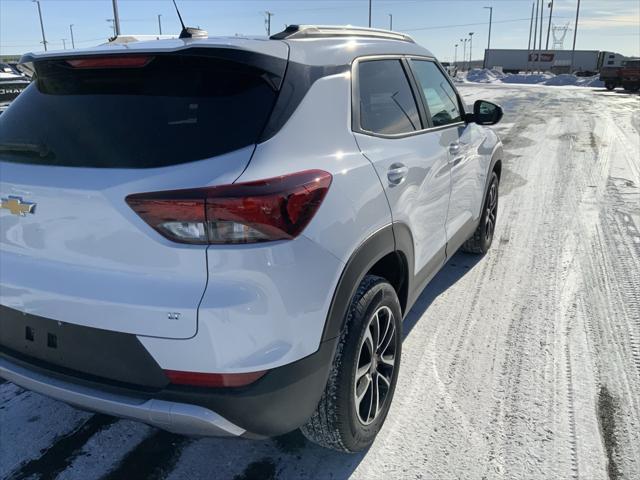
(631, 87)
(362, 381)
(482, 238)
(610, 85)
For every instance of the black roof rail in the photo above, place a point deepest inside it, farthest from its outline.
(330, 31)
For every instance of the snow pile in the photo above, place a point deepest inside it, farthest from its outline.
(565, 79)
(478, 75)
(532, 79)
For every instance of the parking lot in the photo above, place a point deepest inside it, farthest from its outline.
(522, 364)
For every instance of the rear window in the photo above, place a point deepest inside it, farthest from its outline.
(174, 109)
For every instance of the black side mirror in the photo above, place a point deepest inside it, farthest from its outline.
(485, 113)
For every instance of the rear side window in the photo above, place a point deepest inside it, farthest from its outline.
(440, 96)
(173, 109)
(387, 104)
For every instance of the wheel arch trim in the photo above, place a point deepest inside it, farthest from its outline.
(375, 247)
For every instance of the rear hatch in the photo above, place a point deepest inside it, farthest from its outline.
(88, 132)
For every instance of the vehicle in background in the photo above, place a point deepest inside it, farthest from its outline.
(12, 83)
(611, 77)
(450, 68)
(627, 76)
(585, 62)
(630, 75)
(121, 39)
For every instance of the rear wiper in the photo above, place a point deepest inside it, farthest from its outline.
(29, 148)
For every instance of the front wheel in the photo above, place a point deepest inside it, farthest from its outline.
(610, 86)
(482, 238)
(363, 378)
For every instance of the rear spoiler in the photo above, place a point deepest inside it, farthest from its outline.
(274, 67)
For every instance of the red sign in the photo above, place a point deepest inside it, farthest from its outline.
(544, 57)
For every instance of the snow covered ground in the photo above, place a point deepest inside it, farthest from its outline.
(524, 364)
(494, 76)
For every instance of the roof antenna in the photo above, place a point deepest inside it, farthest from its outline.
(189, 32)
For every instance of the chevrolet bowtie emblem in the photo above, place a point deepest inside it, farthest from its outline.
(17, 206)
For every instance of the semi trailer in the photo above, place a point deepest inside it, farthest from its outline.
(585, 62)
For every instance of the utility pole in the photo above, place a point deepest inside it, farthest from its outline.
(540, 36)
(575, 35)
(470, 48)
(160, 23)
(44, 40)
(530, 34)
(64, 43)
(369, 13)
(116, 17)
(490, 22)
(541, 23)
(390, 21)
(549, 27)
(484, 62)
(73, 43)
(267, 22)
(535, 35)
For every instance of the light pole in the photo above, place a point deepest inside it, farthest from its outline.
(575, 35)
(390, 21)
(116, 18)
(549, 27)
(160, 23)
(64, 43)
(44, 40)
(470, 48)
(455, 56)
(464, 51)
(369, 13)
(73, 43)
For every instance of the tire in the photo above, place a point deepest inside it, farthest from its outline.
(610, 86)
(481, 240)
(340, 421)
(631, 87)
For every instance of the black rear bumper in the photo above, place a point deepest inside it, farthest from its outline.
(117, 363)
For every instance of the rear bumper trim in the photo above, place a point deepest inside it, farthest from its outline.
(181, 418)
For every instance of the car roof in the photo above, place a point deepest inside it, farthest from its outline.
(316, 46)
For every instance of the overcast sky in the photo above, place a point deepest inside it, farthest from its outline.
(612, 25)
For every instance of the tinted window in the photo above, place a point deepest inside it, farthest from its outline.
(176, 109)
(440, 95)
(387, 104)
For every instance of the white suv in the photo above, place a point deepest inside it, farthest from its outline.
(221, 236)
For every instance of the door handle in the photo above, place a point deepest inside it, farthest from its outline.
(396, 173)
(454, 148)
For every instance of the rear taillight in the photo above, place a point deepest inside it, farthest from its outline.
(261, 211)
(111, 61)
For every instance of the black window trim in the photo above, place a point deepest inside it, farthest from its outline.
(355, 97)
(418, 94)
(446, 76)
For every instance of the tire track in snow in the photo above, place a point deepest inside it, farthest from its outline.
(151, 459)
(62, 453)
